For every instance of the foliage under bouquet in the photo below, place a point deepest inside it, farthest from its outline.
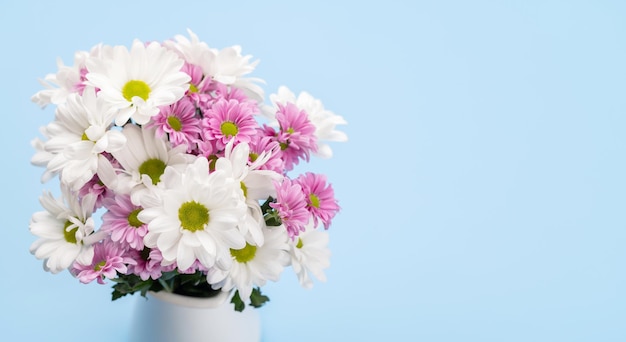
(174, 173)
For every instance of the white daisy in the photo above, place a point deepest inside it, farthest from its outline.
(64, 230)
(68, 79)
(310, 255)
(325, 121)
(253, 265)
(143, 162)
(42, 157)
(136, 82)
(227, 66)
(196, 218)
(80, 133)
(256, 185)
(192, 50)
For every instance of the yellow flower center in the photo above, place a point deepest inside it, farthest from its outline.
(133, 221)
(175, 123)
(245, 189)
(299, 244)
(245, 254)
(315, 201)
(134, 88)
(153, 168)
(70, 236)
(193, 216)
(229, 129)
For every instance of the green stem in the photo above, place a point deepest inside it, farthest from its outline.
(166, 286)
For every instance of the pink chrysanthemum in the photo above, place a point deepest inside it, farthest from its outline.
(149, 264)
(222, 91)
(296, 136)
(179, 122)
(109, 258)
(122, 223)
(199, 86)
(230, 119)
(291, 207)
(196, 266)
(95, 186)
(266, 144)
(320, 198)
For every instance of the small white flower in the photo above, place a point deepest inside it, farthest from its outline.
(310, 255)
(256, 185)
(63, 230)
(68, 79)
(136, 82)
(196, 218)
(253, 265)
(80, 133)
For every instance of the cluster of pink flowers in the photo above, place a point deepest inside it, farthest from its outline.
(122, 137)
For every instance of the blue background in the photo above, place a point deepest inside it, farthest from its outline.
(482, 187)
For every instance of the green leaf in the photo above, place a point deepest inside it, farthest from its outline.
(239, 304)
(257, 299)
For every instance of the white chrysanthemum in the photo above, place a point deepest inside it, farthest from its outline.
(310, 255)
(42, 157)
(325, 121)
(227, 66)
(192, 50)
(67, 80)
(136, 82)
(63, 229)
(253, 265)
(80, 133)
(256, 185)
(143, 162)
(196, 218)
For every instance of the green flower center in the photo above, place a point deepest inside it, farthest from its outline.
(244, 188)
(314, 200)
(229, 129)
(290, 130)
(100, 265)
(193, 216)
(153, 168)
(253, 156)
(193, 88)
(133, 221)
(84, 137)
(70, 236)
(245, 254)
(175, 123)
(283, 146)
(299, 244)
(134, 88)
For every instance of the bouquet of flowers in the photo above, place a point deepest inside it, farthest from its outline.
(174, 173)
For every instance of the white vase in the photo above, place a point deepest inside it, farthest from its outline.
(168, 317)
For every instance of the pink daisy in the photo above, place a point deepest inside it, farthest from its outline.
(179, 122)
(200, 86)
(149, 264)
(296, 136)
(95, 186)
(291, 206)
(320, 198)
(230, 119)
(266, 144)
(122, 223)
(222, 91)
(109, 258)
